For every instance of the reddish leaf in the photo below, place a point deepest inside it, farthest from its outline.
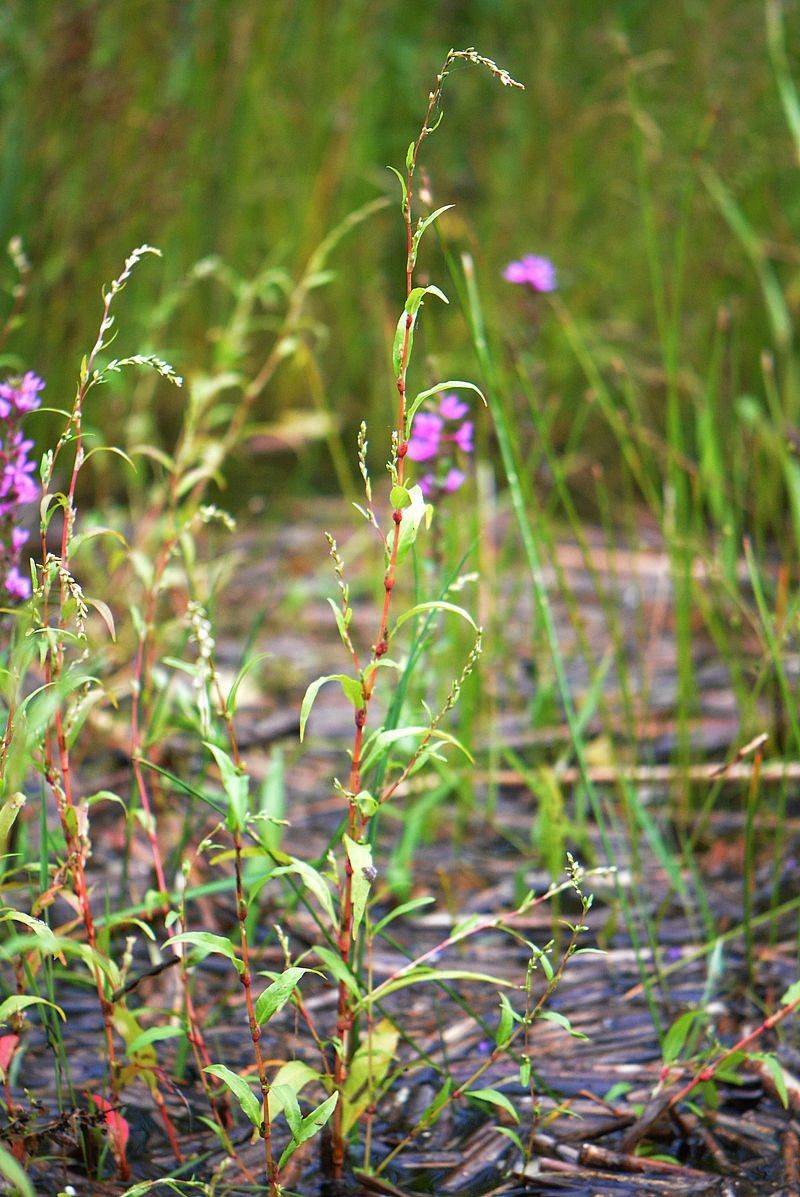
(8, 1044)
(117, 1125)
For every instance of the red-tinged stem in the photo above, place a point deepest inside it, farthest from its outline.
(255, 1029)
(344, 1019)
(707, 1073)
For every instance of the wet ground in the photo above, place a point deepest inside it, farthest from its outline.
(597, 1115)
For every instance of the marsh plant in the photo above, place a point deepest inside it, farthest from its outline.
(62, 678)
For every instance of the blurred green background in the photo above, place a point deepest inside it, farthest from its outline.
(247, 130)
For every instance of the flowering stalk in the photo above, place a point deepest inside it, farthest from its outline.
(403, 445)
(57, 768)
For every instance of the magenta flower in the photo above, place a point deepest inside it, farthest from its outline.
(455, 478)
(435, 437)
(17, 586)
(452, 408)
(425, 436)
(532, 271)
(462, 437)
(17, 397)
(21, 398)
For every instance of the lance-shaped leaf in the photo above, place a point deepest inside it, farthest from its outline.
(276, 995)
(414, 513)
(309, 1126)
(235, 784)
(351, 688)
(454, 384)
(495, 1098)
(206, 943)
(370, 1063)
(360, 857)
(405, 325)
(241, 1090)
(436, 605)
(20, 1001)
(423, 225)
(313, 881)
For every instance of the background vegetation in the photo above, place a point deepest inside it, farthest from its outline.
(247, 130)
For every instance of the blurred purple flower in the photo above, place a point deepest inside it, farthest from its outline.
(16, 585)
(532, 271)
(455, 479)
(17, 397)
(21, 398)
(452, 408)
(426, 433)
(427, 484)
(463, 437)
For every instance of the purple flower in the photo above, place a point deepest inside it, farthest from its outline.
(16, 585)
(18, 396)
(454, 480)
(427, 484)
(423, 443)
(532, 271)
(452, 408)
(22, 397)
(463, 437)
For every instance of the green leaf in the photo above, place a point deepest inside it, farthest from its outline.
(360, 857)
(370, 1063)
(495, 1098)
(18, 1001)
(294, 1076)
(435, 605)
(340, 623)
(236, 785)
(291, 1107)
(153, 1035)
(276, 995)
(350, 686)
(414, 513)
(773, 1067)
(337, 968)
(561, 1021)
(434, 1108)
(386, 737)
(399, 911)
(14, 1173)
(246, 668)
(410, 155)
(240, 1088)
(399, 497)
(452, 385)
(505, 1026)
(314, 882)
(206, 943)
(792, 994)
(512, 1135)
(426, 223)
(395, 171)
(678, 1033)
(366, 804)
(421, 974)
(311, 1125)
(8, 814)
(406, 323)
